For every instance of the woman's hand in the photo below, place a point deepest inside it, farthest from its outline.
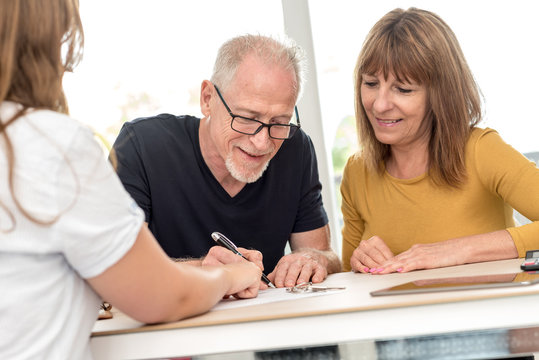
(424, 256)
(244, 279)
(492, 246)
(370, 255)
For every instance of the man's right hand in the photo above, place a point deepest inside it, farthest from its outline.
(218, 255)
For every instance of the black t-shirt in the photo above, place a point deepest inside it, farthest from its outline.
(161, 166)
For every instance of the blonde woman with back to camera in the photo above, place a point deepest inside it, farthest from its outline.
(69, 232)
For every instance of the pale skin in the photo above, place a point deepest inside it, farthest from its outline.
(311, 259)
(396, 112)
(264, 92)
(150, 287)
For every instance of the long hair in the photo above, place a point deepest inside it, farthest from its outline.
(39, 41)
(417, 45)
(284, 52)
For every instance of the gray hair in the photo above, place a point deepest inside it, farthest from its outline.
(283, 52)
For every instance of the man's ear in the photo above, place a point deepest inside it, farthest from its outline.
(206, 92)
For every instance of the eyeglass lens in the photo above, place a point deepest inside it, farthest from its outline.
(250, 127)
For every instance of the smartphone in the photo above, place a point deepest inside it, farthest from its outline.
(532, 261)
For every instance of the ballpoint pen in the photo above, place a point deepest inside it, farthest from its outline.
(225, 242)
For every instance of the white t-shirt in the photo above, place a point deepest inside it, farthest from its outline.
(47, 310)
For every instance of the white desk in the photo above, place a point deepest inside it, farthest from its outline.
(350, 317)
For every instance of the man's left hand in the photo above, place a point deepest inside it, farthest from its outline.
(299, 267)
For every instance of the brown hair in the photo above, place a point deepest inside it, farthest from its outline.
(39, 41)
(417, 45)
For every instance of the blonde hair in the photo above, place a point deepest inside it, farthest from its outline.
(283, 52)
(417, 45)
(39, 41)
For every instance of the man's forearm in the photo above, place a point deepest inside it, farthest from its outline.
(189, 261)
(334, 263)
(327, 258)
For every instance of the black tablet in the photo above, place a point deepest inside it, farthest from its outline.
(461, 283)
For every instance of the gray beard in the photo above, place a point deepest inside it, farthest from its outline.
(241, 175)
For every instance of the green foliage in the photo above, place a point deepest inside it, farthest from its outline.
(344, 144)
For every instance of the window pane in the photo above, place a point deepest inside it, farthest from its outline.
(499, 42)
(498, 39)
(147, 57)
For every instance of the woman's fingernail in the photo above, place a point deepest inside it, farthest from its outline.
(366, 269)
(399, 269)
(371, 270)
(379, 269)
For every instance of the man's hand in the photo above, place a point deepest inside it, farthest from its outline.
(218, 255)
(312, 259)
(298, 267)
(370, 256)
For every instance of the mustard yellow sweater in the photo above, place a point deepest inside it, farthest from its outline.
(412, 211)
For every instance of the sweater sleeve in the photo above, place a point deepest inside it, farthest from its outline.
(507, 173)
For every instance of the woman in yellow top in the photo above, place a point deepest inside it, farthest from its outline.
(429, 188)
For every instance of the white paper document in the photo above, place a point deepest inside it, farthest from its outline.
(268, 296)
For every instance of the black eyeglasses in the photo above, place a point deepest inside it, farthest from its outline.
(247, 126)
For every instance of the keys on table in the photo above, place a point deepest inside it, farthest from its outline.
(307, 287)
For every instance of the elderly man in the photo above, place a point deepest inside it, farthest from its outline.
(245, 169)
